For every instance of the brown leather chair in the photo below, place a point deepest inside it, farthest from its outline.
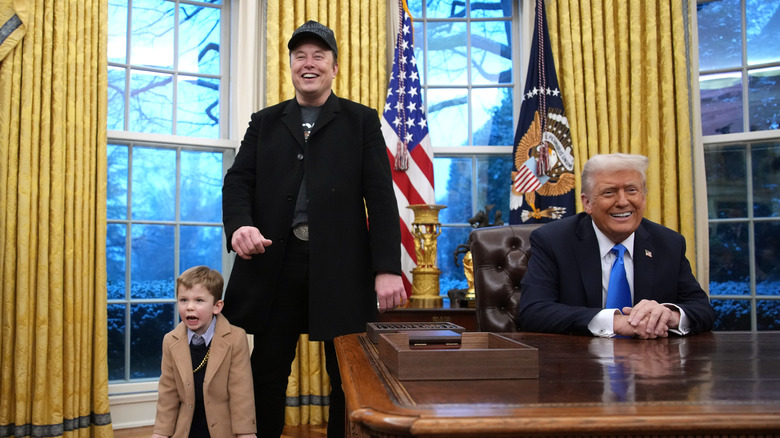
(500, 259)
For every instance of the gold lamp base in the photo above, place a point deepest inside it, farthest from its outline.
(425, 288)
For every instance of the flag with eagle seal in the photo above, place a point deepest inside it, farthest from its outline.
(543, 168)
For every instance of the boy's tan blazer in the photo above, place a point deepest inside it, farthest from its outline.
(227, 386)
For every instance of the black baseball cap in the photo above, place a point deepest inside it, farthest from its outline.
(313, 29)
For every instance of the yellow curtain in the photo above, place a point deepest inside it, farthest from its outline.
(53, 82)
(624, 70)
(360, 33)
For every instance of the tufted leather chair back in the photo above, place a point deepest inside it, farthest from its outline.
(500, 257)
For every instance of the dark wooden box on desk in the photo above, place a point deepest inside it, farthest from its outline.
(479, 356)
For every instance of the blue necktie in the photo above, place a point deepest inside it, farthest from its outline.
(198, 339)
(618, 292)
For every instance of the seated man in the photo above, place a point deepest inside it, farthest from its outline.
(567, 288)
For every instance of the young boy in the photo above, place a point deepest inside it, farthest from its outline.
(206, 383)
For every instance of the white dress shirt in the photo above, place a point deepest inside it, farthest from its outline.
(602, 324)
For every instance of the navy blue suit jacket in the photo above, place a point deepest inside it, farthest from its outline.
(561, 291)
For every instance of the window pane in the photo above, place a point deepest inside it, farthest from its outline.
(116, 238)
(493, 186)
(116, 98)
(491, 109)
(721, 103)
(197, 107)
(763, 31)
(116, 341)
(766, 180)
(452, 276)
(729, 259)
(767, 258)
(445, 8)
(116, 189)
(448, 117)
(491, 52)
(447, 54)
(152, 33)
(199, 50)
(152, 268)
(731, 314)
(117, 31)
(764, 98)
(154, 184)
(201, 186)
(768, 312)
(415, 8)
(453, 182)
(151, 103)
(720, 34)
(419, 52)
(149, 322)
(726, 182)
(491, 9)
(200, 245)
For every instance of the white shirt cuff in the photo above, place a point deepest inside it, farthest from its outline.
(685, 324)
(602, 325)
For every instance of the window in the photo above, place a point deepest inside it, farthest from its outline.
(739, 62)
(166, 158)
(467, 55)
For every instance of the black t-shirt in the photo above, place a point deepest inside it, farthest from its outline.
(309, 116)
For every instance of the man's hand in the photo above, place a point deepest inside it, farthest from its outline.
(390, 291)
(659, 318)
(622, 327)
(247, 241)
(647, 320)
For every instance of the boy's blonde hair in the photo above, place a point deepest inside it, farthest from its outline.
(204, 276)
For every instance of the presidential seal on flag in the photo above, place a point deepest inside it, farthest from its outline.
(545, 165)
(542, 176)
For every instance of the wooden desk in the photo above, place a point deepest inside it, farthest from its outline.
(713, 384)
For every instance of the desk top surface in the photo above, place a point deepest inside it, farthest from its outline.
(713, 381)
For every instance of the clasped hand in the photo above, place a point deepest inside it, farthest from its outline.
(646, 320)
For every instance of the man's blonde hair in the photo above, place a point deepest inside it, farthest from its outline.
(612, 163)
(203, 275)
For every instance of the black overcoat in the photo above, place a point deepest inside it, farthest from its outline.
(345, 163)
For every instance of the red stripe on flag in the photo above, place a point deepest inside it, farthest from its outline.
(407, 286)
(423, 160)
(526, 181)
(401, 179)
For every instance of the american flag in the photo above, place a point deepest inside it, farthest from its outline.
(405, 130)
(543, 171)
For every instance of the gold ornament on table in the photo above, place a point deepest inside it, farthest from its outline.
(425, 276)
(467, 297)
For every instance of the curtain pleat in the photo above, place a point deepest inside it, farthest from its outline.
(52, 221)
(624, 69)
(361, 36)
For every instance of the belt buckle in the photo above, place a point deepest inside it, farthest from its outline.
(301, 231)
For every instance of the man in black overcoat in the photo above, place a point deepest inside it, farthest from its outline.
(309, 209)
